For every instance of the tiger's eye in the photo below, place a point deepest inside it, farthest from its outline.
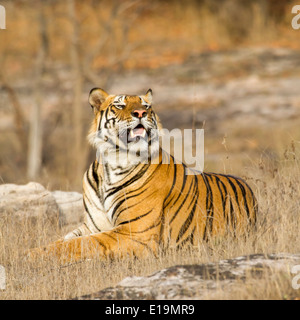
(119, 106)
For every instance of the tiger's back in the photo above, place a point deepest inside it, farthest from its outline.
(208, 204)
(161, 206)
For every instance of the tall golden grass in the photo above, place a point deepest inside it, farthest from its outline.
(162, 34)
(277, 187)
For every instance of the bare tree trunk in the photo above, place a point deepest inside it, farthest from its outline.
(78, 156)
(125, 13)
(19, 119)
(35, 132)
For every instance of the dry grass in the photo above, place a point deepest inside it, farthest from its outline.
(163, 34)
(277, 187)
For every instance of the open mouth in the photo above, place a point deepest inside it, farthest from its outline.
(137, 133)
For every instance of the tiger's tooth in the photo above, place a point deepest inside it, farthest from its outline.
(131, 134)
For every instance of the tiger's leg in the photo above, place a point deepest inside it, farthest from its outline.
(90, 226)
(82, 230)
(118, 242)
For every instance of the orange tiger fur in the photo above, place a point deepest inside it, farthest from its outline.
(141, 208)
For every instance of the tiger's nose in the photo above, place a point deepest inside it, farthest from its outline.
(139, 113)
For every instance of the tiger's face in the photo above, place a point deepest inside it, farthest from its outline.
(124, 125)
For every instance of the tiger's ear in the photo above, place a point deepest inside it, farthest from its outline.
(97, 97)
(148, 96)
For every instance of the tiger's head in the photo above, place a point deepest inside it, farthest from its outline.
(124, 125)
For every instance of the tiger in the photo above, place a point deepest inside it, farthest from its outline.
(135, 206)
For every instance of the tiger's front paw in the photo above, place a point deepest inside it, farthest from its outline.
(46, 253)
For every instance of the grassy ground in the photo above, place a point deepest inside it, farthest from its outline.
(163, 43)
(277, 187)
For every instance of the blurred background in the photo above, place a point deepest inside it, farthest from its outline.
(230, 67)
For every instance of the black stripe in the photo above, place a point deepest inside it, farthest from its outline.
(100, 119)
(223, 194)
(187, 223)
(129, 193)
(235, 193)
(134, 240)
(94, 177)
(94, 173)
(162, 226)
(182, 203)
(254, 202)
(90, 182)
(244, 197)
(127, 183)
(120, 202)
(209, 207)
(149, 228)
(232, 217)
(100, 243)
(125, 199)
(86, 209)
(182, 188)
(218, 181)
(227, 195)
(125, 172)
(232, 211)
(105, 116)
(189, 238)
(173, 184)
(92, 203)
(108, 234)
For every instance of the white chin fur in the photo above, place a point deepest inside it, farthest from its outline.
(138, 151)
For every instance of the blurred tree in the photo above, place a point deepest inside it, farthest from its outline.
(35, 130)
(79, 153)
(114, 41)
(19, 119)
(94, 43)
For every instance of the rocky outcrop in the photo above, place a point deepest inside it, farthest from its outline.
(70, 206)
(179, 282)
(197, 281)
(33, 200)
(28, 201)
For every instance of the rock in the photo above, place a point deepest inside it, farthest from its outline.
(28, 201)
(2, 278)
(70, 207)
(33, 200)
(196, 281)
